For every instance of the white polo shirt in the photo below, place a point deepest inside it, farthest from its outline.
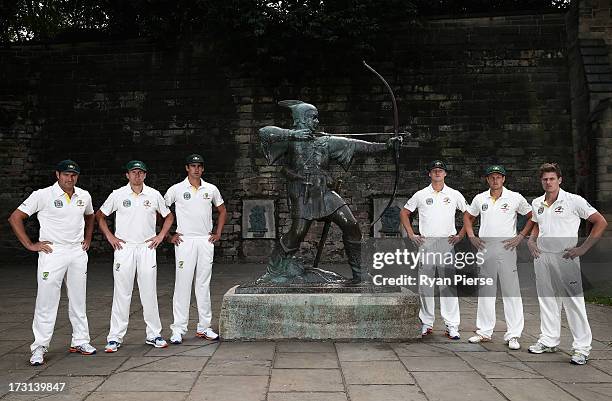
(60, 217)
(193, 207)
(436, 210)
(136, 216)
(560, 221)
(498, 216)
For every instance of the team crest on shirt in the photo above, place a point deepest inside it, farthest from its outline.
(80, 203)
(541, 210)
(206, 195)
(485, 207)
(446, 200)
(180, 264)
(127, 203)
(186, 196)
(559, 209)
(58, 203)
(45, 275)
(505, 207)
(146, 203)
(429, 201)
(117, 266)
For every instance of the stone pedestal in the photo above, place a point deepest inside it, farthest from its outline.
(320, 316)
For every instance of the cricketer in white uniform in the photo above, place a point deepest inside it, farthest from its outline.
(437, 205)
(194, 246)
(136, 206)
(65, 214)
(498, 208)
(557, 216)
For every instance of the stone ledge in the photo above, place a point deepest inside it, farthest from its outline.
(345, 317)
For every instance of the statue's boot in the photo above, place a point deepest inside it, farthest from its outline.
(282, 266)
(353, 255)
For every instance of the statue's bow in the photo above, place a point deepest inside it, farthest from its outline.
(396, 144)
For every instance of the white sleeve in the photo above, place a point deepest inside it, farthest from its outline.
(523, 207)
(161, 205)
(110, 204)
(216, 197)
(461, 203)
(413, 203)
(583, 208)
(169, 197)
(474, 207)
(534, 210)
(32, 204)
(88, 205)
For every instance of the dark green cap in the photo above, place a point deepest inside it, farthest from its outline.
(194, 158)
(496, 168)
(437, 164)
(68, 166)
(136, 164)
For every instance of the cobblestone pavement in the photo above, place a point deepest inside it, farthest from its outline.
(432, 369)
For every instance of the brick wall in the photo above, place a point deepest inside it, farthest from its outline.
(473, 90)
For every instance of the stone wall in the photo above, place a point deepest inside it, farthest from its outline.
(473, 91)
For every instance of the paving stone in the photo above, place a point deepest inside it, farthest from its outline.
(603, 364)
(242, 351)
(456, 386)
(307, 397)
(306, 380)
(248, 367)
(588, 392)
(305, 360)
(135, 361)
(140, 396)
(174, 364)
(437, 364)
(530, 389)
(385, 392)
(207, 350)
(305, 346)
(376, 372)
(365, 352)
(498, 365)
(76, 388)
(229, 388)
(567, 373)
(420, 349)
(145, 381)
(526, 356)
(462, 347)
(600, 355)
(94, 365)
(12, 377)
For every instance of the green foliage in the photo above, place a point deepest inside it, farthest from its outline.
(269, 34)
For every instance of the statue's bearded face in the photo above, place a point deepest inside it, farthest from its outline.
(311, 120)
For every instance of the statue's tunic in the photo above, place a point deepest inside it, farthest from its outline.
(306, 163)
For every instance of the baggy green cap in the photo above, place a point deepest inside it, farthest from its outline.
(136, 164)
(68, 166)
(194, 158)
(496, 168)
(437, 164)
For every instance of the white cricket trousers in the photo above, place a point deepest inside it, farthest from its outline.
(193, 256)
(559, 284)
(500, 265)
(69, 261)
(434, 251)
(141, 261)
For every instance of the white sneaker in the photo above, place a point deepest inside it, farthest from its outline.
(38, 356)
(157, 342)
(513, 343)
(426, 330)
(112, 346)
(176, 338)
(452, 332)
(84, 349)
(207, 334)
(539, 348)
(579, 359)
(478, 339)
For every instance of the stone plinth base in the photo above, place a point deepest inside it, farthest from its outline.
(362, 316)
